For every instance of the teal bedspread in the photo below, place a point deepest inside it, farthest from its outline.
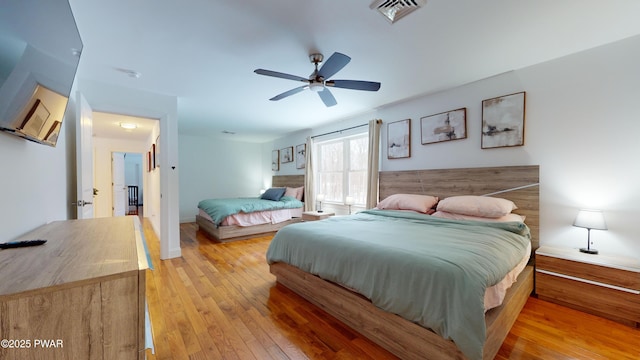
(218, 209)
(429, 270)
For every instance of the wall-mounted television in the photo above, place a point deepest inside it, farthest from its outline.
(40, 49)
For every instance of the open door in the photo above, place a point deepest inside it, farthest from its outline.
(84, 158)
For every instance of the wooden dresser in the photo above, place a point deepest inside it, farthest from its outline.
(79, 296)
(607, 286)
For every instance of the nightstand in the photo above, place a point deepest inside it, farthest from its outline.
(602, 285)
(314, 215)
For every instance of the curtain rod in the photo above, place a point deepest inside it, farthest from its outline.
(339, 131)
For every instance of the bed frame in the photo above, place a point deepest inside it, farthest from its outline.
(401, 337)
(234, 232)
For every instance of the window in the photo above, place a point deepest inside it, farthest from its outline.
(342, 168)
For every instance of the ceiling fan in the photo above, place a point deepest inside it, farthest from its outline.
(318, 80)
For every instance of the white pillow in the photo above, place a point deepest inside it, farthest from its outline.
(419, 203)
(483, 206)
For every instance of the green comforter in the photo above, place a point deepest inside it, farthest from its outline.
(218, 209)
(429, 270)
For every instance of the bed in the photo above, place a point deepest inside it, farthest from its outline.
(407, 339)
(232, 232)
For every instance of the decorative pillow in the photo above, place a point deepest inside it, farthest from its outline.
(482, 206)
(452, 216)
(419, 203)
(295, 192)
(273, 194)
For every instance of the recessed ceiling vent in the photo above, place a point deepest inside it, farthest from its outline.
(394, 10)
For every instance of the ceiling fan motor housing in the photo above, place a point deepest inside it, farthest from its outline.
(316, 86)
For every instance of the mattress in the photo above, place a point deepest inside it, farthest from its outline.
(256, 218)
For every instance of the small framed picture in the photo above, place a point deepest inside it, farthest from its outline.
(301, 156)
(275, 160)
(286, 155)
(156, 157)
(35, 119)
(446, 126)
(153, 155)
(503, 121)
(149, 161)
(399, 139)
(52, 134)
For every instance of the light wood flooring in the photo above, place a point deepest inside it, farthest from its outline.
(219, 301)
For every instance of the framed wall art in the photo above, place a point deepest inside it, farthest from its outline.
(153, 155)
(275, 160)
(301, 156)
(286, 155)
(157, 153)
(399, 139)
(503, 121)
(446, 126)
(35, 119)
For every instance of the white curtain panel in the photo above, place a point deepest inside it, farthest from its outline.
(374, 163)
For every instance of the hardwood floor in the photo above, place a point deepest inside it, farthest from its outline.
(219, 301)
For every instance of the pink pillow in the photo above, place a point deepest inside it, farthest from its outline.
(452, 216)
(482, 206)
(419, 203)
(295, 192)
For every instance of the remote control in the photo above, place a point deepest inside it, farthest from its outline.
(22, 243)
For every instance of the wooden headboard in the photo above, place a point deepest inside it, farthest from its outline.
(287, 180)
(516, 183)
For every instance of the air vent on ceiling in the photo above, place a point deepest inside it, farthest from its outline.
(394, 10)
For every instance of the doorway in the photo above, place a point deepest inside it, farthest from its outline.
(128, 189)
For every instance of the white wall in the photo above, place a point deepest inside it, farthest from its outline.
(33, 184)
(581, 127)
(217, 169)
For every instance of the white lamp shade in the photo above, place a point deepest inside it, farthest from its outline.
(320, 197)
(590, 219)
(349, 200)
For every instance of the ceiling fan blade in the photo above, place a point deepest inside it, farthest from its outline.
(327, 97)
(334, 64)
(280, 75)
(289, 93)
(354, 84)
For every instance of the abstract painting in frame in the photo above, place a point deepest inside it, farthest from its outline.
(301, 156)
(399, 139)
(446, 126)
(503, 121)
(275, 160)
(286, 155)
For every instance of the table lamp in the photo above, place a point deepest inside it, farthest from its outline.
(320, 198)
(349, 201)
(590, 219)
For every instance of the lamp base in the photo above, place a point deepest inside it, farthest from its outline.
(589, 251)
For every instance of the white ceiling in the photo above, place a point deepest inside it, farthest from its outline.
(204, 52)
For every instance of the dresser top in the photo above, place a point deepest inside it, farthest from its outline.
(76, 250)
(612, 261)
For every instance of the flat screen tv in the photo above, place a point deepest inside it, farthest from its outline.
(40, 49)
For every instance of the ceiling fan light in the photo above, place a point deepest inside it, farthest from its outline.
(316, 86)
